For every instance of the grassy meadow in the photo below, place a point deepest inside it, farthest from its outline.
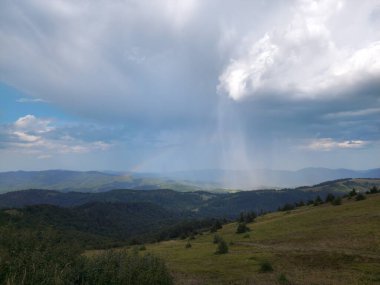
(322, 244)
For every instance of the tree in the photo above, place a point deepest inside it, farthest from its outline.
(222, 247)
(242, 228)
(217, 239)
(374, 190)
(287, 207)
(318, 201)
(337, 201)
(216, 226)
(360, 197)
(329, 198)
(352, 193)
(250, 217)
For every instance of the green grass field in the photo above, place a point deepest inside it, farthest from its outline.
(310, 245)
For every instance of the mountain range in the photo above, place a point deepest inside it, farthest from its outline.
(209, 180)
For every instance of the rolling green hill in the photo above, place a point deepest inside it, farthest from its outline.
(323, 244)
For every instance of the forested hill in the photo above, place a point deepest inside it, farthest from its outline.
(199, 203)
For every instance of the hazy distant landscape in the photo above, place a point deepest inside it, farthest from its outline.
(208, 180)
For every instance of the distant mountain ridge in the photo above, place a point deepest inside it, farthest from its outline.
(266, 178)
(96, 181)
(85, 181)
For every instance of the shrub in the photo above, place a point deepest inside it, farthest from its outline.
(242, 228)
(188, 245)
(216, 226)
(360, 197)
(246, 236)
(217, 239)
(222, 247)
(352, 193)
(318, 201)
(300, 204)
(287, 207)
(247, 217)
(141, 248)
(373, 190)
(266, 267)
(337, 201)
(329, 198)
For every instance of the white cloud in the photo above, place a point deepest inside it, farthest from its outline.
(328, 144)
(354, 113)
(303, 59)
(31, 123)
(33, 135)
(31, 100)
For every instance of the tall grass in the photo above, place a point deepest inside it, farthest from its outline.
(34, 257)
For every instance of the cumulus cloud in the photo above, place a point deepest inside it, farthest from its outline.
(33, 135)
(302, 58)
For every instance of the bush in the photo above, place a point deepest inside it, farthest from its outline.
(360, 197)
(373, 190)
(242, 228)
(287, 207)
(141, 248)
(266, 267)
(337, 201)
(318, 201)
(217, 239)
(247, 217)
(222, 247)
(216, 226)
(188, 245)
(329, 198)
(352, 193)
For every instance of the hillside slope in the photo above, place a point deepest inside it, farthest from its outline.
(310, 245)
(96, 224)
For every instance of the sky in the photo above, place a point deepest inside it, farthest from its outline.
(161, 86)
